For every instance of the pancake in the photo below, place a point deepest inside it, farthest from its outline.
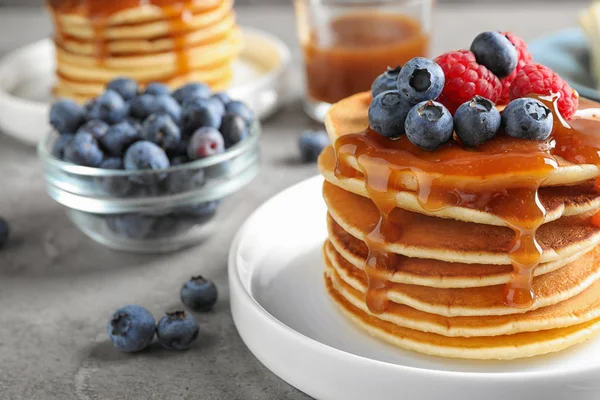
(551, 289)
(505, 347)
(434, 273)
(422, 236)
(211, 33)
(82, 28)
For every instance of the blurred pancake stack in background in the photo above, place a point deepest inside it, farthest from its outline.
(170, 41)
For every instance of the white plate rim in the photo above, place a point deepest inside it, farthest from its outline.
(237, 287)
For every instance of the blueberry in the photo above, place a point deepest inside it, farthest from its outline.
(66, 116)
(386, 81)
(157, 89)
(241, 109)
(388, 112)
(112, 163)
(205, 142)
(199, 294)
(96, 127)
(142, 106)
(429, 125)
(192, 91)
(160, 129)
(476, 121)
(132, 226)
(63, 140)
(223, 97)
(179, 160)
(4, 232)
(421, 79)
(217, 105)
(179, 151)
(131, 328)
(83, 150)
(177, 330)
(200, 212)
(119, 186)
(527, 118)
(494, 51)
(234, 129)
(126, 87)
(200, 113)
(145, 155)
(311, 144)
(109, 107)
(184, 180)
(167, 104)
(119, 137)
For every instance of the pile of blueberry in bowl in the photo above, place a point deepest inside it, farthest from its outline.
(146, 170)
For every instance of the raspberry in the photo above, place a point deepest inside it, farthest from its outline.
(539, 79)
(524, 59)
(465, 79)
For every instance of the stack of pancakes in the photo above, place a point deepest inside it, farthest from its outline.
(442, 289)
(170, 41)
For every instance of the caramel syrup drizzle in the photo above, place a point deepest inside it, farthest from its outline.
(501, 177)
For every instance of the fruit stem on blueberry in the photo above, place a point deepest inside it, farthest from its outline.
(420, 80)
(182, 315)
(431, 111)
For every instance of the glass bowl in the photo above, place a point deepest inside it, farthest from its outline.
(149, 211)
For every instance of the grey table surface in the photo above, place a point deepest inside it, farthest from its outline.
(57, 288)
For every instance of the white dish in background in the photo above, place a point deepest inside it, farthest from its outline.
(282, 313)
(27, 76)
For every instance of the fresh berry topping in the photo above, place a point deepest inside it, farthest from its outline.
(527, 118)
(429, 125)
(476, 121)
(167, 104)
(112, 163)
(84, 150)
(241, 109)
(465, 79)
(234, 129)
(311, 144)
(4, 232)
(109, 107)
(199, 294)
(157, 89)
(177, 330)
(96, 127)
(386, 81)
(191, 91)
(495, 52)
(541, 80)
(66, 116)
(126, 87)
(131, 328)
(58, 150)
(142, 106)
(145, 155)
(387, 113)
(524, 58)
(160, 129)
(200, 113)
(223, 97)
(205, 142)
(421, 79)
(119, 137)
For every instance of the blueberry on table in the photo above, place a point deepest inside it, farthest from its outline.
(131, 328)
(387, 113)
(177, 330)
(83, 150)
(59, 147)
(142, 106)
(241, 109)
(96, 127)
(199, 294)
(192, 91)
(311, 144)
(167, 104)
(157, 89)
(146, 156)
(200, 113)
(476, 121)
(494, 51)
(160, 129)
(386, 81)
(66, 116)
(126, 87)
(234, 129)
(205, 142)
(429, 125)
(527, 118)
(421, 79)
(119, 137)
(4, 232)
(109, 107)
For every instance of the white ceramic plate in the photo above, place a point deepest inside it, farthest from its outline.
(282, 313)
(27, 76)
